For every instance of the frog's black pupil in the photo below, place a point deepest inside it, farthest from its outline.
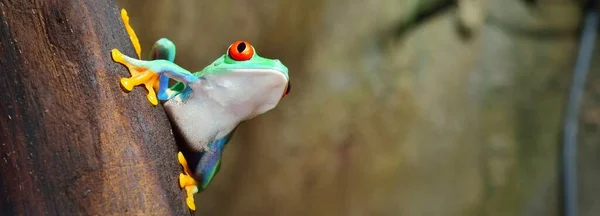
(241, 47)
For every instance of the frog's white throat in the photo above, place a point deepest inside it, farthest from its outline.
(219, 102)
(245, 92)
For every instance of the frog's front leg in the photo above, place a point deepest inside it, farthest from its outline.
(150, 80)
(145, 72)
(158, 66)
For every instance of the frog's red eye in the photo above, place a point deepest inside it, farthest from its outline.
(288, 88)
(241, 51)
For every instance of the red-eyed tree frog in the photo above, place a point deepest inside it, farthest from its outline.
(206, 107)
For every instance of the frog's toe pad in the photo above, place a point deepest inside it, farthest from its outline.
(190, 187)
(190, 203)
(189, 200)
(181, 159)
(186, 180)
(126, 84)
(183, 180)
(152, 98)
(117, 56)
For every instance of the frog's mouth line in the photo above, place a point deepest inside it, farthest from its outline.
(279, 69)
(273, 78)
(268, 79)
(261, 71)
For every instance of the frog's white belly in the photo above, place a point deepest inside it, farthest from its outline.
(218, 103)
(201, 120)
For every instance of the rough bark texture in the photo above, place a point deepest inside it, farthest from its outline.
(71, 141)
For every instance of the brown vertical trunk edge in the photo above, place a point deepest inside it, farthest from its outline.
(71, 141)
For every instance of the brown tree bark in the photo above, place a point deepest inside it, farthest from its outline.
(72, 142)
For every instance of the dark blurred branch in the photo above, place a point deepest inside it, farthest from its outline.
(71, 141)
(571, 123)
(424, 11)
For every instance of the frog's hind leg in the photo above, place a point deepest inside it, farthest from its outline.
(187, 182)
(205, 164)
(163, 49)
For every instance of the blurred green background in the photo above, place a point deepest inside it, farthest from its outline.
(414, 107)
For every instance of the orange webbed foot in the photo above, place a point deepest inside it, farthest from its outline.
(187, 182)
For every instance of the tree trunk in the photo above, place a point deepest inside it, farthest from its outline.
(71, 140)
